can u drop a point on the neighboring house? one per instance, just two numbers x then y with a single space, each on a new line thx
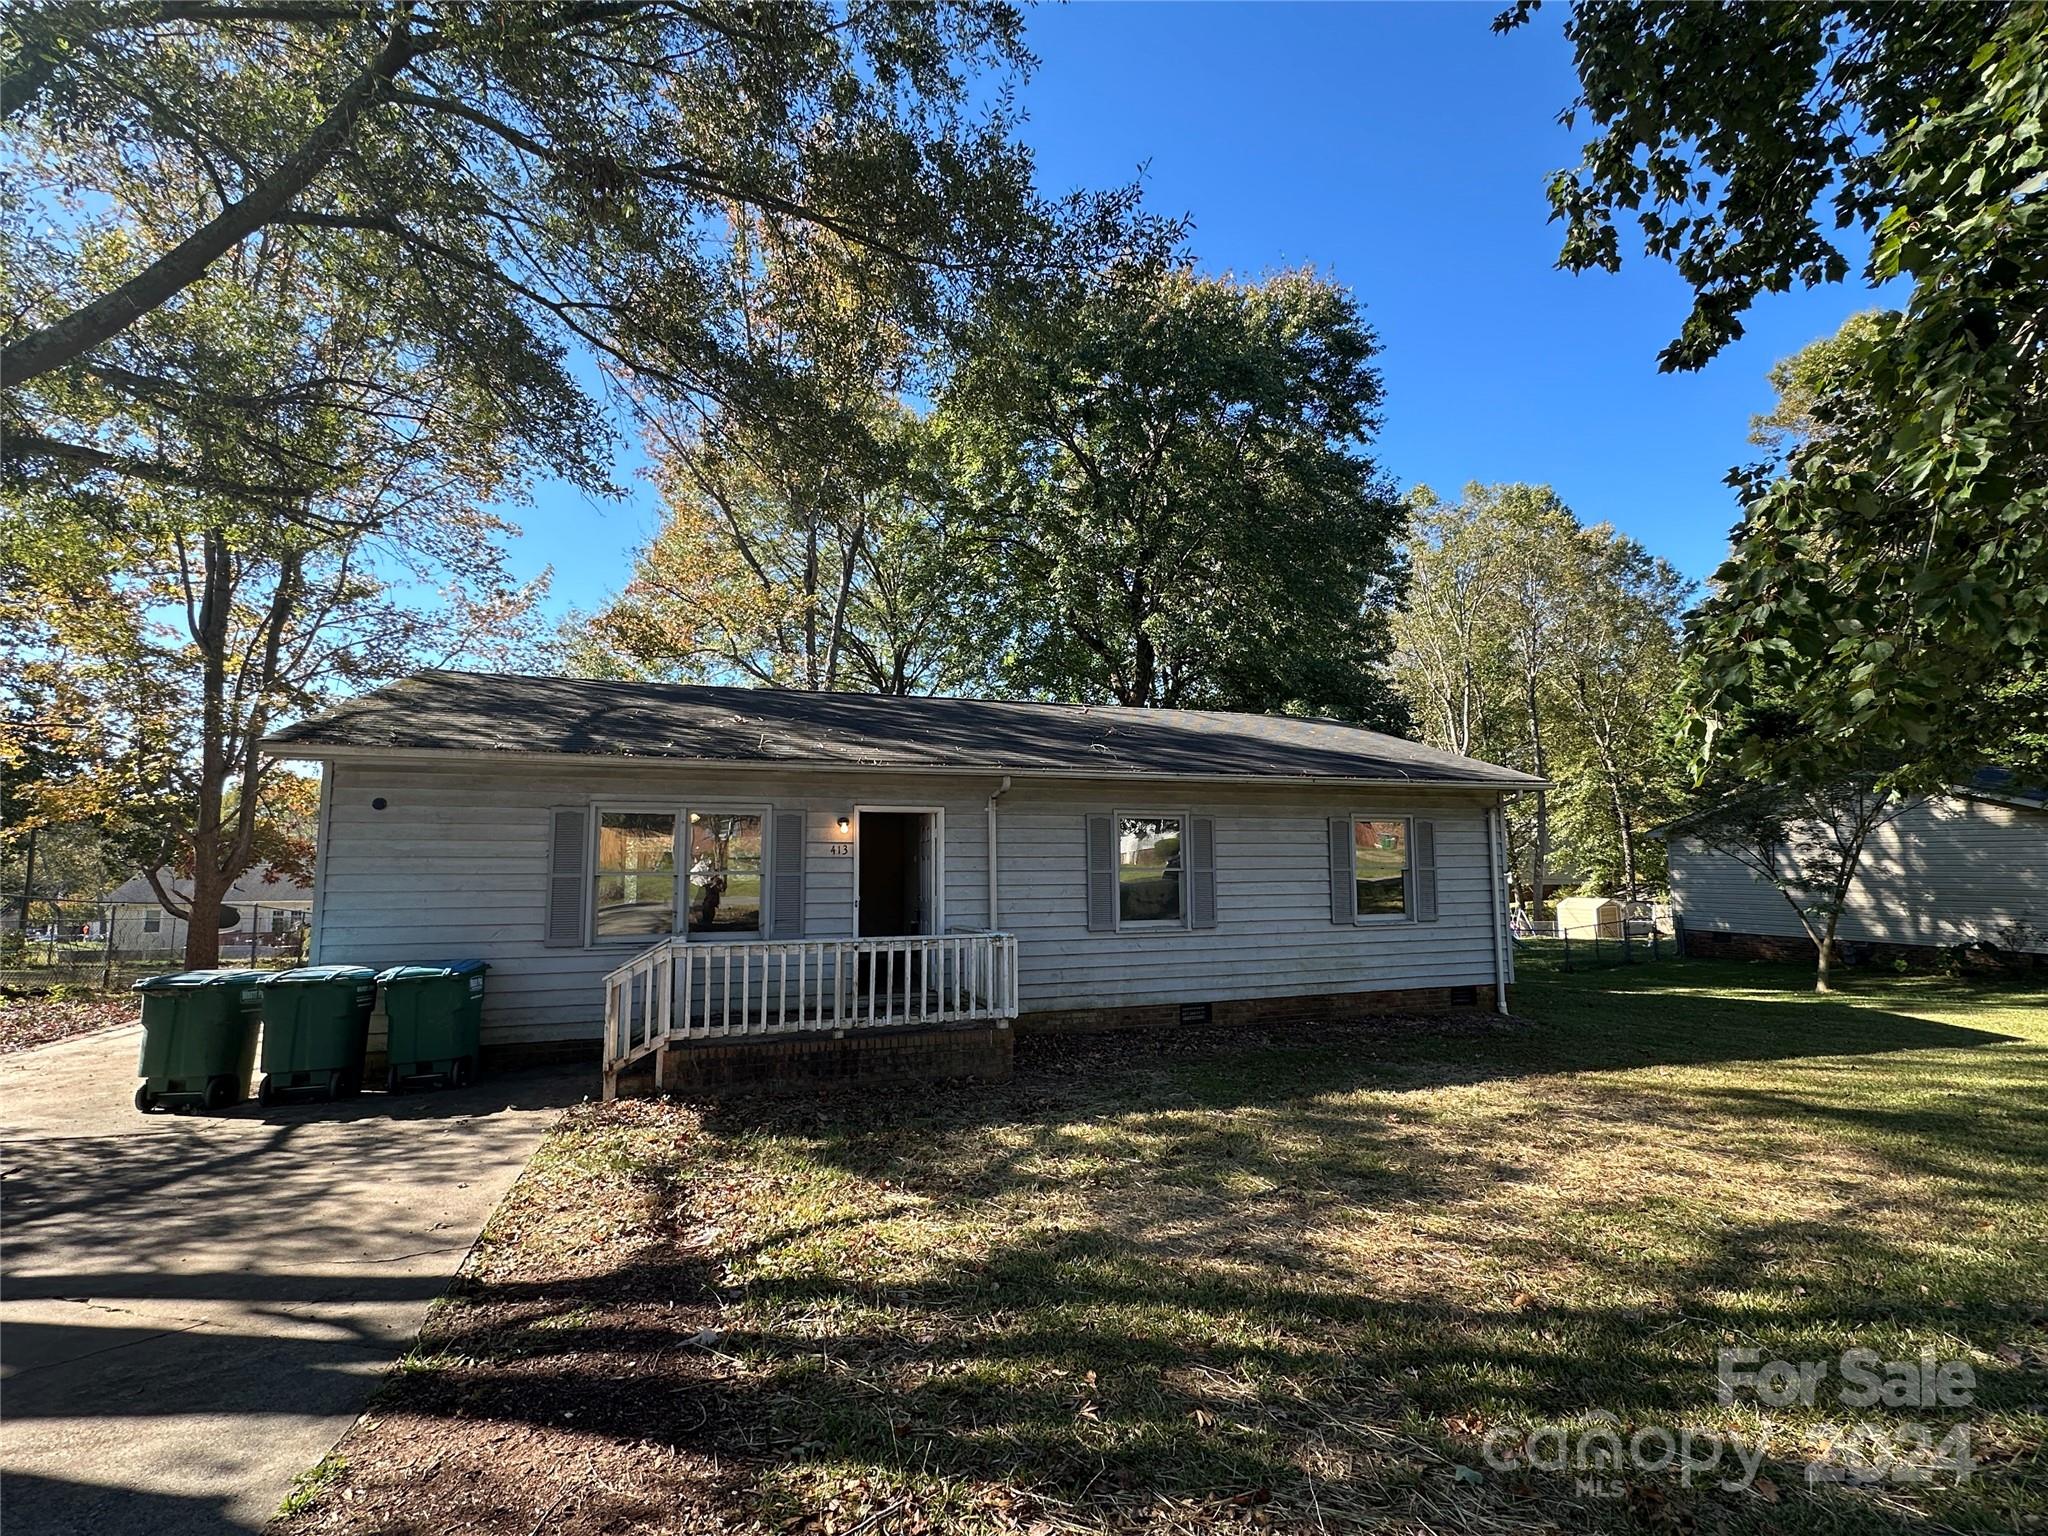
696 866
1966 867
265 914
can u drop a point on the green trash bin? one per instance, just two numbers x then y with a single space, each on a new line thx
436 1013
316 1022
198 1038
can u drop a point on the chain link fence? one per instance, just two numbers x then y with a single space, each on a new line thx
1638 932
104 944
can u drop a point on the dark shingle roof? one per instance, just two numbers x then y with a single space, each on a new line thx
2003 784
259 884
480 712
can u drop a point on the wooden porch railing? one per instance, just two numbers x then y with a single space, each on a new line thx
684 990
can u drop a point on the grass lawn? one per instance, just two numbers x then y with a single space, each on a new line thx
1298 1281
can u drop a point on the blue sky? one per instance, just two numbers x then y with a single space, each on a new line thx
1402 149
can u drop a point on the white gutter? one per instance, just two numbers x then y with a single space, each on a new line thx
1493 906
1002 789
289 752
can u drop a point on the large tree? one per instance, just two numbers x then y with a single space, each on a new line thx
1891 576
509 183
1526 637
161 631
1163 483
814 561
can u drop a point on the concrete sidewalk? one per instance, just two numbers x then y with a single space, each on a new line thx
194 1308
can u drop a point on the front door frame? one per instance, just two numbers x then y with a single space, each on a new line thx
937 920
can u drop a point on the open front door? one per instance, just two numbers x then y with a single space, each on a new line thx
901 877
928 873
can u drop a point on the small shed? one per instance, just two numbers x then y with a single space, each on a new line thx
1590 917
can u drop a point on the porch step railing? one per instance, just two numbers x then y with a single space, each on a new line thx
684 990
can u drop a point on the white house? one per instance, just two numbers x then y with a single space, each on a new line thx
693 873
1969 867
265 915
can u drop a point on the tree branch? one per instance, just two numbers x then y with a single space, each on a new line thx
63 341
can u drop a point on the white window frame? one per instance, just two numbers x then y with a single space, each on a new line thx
1149 924
678 847
1406 916
153 920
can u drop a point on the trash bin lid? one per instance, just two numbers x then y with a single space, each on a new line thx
179 979
434 972
320 975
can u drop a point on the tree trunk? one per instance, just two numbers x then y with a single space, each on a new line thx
202 928
1826 948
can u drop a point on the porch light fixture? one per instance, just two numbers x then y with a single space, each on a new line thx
845 822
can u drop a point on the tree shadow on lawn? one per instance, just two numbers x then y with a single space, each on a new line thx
1311 1270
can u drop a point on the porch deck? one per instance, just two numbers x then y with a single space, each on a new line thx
683 991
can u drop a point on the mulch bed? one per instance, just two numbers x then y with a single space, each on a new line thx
28 1020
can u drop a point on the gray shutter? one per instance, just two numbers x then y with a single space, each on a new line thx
1423 871
1101 874
1201 872
1343 882
568 843
786 900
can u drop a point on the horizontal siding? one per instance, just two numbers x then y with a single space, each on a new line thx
1273 935
1951 870
455 866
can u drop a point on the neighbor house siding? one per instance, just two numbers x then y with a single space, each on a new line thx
1951 870
455 866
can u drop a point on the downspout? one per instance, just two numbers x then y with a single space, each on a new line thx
1494 902
994 924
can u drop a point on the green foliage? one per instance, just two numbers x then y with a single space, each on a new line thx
1809 382
1889 589
509 181
1161 487
796 560
1530 639
154 638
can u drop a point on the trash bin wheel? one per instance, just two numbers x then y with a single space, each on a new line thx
458 1075
348 1084
144 1099
392 1081
220 1093
266 1091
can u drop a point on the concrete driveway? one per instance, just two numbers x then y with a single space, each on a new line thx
195 1308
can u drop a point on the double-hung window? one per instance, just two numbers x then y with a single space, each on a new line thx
1148 869
725 874
636 874
1380 864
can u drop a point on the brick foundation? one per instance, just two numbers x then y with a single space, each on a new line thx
1971 960
980 1051
1714 944
1323 1007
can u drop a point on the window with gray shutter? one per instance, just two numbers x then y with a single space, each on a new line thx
786 901
1343 888
1424 908
568 836
1201 866
1101 874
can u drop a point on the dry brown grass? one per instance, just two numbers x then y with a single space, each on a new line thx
1289 1283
